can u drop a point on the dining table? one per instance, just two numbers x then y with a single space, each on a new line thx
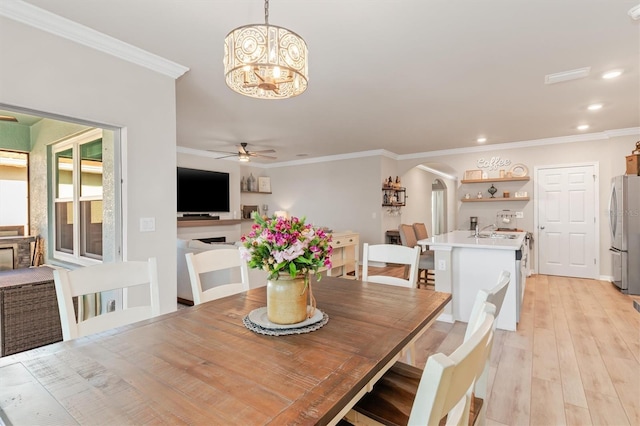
204 365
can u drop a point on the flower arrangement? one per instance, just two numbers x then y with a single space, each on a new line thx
280 245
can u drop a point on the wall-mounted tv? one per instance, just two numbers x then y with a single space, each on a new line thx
202 191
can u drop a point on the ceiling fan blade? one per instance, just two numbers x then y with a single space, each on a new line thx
222 152
226 156
265 151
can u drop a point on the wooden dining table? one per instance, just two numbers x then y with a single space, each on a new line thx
201 365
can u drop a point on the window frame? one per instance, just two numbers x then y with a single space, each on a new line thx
74 142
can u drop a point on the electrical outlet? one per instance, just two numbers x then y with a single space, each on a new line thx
519 215
111 305
442 265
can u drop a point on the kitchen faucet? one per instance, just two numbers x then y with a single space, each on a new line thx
493 231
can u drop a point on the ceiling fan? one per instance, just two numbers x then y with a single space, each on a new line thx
245 155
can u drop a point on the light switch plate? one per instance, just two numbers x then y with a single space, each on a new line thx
519 215
147 224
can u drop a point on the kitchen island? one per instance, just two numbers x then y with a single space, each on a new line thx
466 263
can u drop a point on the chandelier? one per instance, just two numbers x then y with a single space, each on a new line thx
265 61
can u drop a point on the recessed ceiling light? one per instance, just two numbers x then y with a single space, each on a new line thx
611 74
583 127
482 140
594 107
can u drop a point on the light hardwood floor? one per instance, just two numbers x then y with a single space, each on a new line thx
574 360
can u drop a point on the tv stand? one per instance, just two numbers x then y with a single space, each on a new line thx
185 222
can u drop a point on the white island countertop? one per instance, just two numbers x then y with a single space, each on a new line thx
466 239
465 265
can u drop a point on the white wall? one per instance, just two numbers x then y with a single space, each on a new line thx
50 74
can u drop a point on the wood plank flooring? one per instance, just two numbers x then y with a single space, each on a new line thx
574 360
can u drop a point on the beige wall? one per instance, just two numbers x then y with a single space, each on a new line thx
342 195
50 74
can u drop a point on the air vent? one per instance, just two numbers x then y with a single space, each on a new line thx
559 77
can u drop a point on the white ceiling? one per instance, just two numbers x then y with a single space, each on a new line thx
405 76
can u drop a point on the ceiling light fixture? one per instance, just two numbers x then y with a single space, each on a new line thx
634 12
567 75
594 107
583 127
612 74
482 140
265 61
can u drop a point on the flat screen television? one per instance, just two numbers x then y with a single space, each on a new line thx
202 191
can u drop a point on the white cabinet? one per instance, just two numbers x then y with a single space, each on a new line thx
344 259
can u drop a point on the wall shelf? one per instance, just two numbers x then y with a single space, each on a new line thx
481 200
187 222
511 179
400 195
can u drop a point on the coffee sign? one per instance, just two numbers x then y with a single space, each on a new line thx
493 163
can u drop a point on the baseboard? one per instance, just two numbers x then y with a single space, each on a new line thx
445 318
185 301
608 278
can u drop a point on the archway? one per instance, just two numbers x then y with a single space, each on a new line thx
438 207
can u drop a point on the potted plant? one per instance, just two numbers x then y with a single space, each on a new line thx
289 250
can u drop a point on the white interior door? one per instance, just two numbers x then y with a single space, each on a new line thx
566 201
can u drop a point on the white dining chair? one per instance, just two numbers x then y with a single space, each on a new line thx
391 253
228 260
408 395
102 278
495 296
487 301
395 254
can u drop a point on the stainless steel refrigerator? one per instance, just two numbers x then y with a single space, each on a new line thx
624 222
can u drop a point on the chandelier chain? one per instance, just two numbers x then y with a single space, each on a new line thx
266 12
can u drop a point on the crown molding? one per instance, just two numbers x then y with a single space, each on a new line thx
608 134
337 157
44 20
436 172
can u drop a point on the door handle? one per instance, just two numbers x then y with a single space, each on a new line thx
542 227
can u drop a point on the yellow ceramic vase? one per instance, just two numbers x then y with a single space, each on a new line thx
287 299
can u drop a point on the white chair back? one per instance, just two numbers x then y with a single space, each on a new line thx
216 260
391 253
494 296
446 380
102 278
